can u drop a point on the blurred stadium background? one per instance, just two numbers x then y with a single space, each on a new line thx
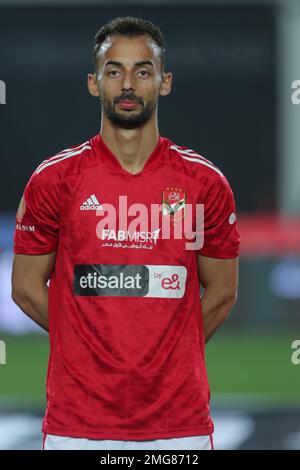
234 63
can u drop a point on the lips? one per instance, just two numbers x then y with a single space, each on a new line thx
128 104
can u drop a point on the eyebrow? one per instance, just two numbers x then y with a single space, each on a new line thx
119 64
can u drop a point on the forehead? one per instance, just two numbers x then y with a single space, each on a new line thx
128 50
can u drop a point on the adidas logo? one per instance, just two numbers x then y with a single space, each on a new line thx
91 204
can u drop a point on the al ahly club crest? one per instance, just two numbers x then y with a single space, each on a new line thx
173 203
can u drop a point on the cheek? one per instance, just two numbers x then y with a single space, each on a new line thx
154 89
149 90
109 85
152 94
109 92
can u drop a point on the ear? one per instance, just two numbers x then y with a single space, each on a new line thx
92 84
166 84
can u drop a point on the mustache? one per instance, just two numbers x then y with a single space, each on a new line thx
130 97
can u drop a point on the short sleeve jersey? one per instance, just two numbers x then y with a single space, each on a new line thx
127 356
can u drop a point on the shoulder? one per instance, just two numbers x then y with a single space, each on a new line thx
194 164
197 167
54 168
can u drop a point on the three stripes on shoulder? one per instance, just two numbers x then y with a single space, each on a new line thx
186 154
192 156
67 153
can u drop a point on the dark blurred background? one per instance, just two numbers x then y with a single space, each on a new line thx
233 64
223 101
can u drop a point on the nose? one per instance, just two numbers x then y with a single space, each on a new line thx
128 82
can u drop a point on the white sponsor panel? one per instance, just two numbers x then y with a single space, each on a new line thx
166 281
130 280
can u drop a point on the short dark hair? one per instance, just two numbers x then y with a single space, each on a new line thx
130 26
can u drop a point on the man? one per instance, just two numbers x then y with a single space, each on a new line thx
126 323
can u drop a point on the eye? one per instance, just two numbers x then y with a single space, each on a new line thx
144 73
113 73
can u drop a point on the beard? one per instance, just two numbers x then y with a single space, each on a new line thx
128 119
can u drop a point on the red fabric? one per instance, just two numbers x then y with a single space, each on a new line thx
124 366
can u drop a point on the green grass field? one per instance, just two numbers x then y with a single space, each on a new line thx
254 364
244 365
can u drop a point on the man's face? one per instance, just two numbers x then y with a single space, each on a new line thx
129 79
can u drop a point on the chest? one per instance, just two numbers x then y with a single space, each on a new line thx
145 216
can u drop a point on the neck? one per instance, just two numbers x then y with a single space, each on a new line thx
131 147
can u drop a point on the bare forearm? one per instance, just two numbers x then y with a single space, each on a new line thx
35 305
215 309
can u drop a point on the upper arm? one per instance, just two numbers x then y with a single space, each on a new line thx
221 274
38 216
221 236
30 271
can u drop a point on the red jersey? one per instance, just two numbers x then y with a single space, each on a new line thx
127 354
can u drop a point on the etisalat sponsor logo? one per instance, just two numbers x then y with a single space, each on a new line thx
2 92
163 281
176 220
